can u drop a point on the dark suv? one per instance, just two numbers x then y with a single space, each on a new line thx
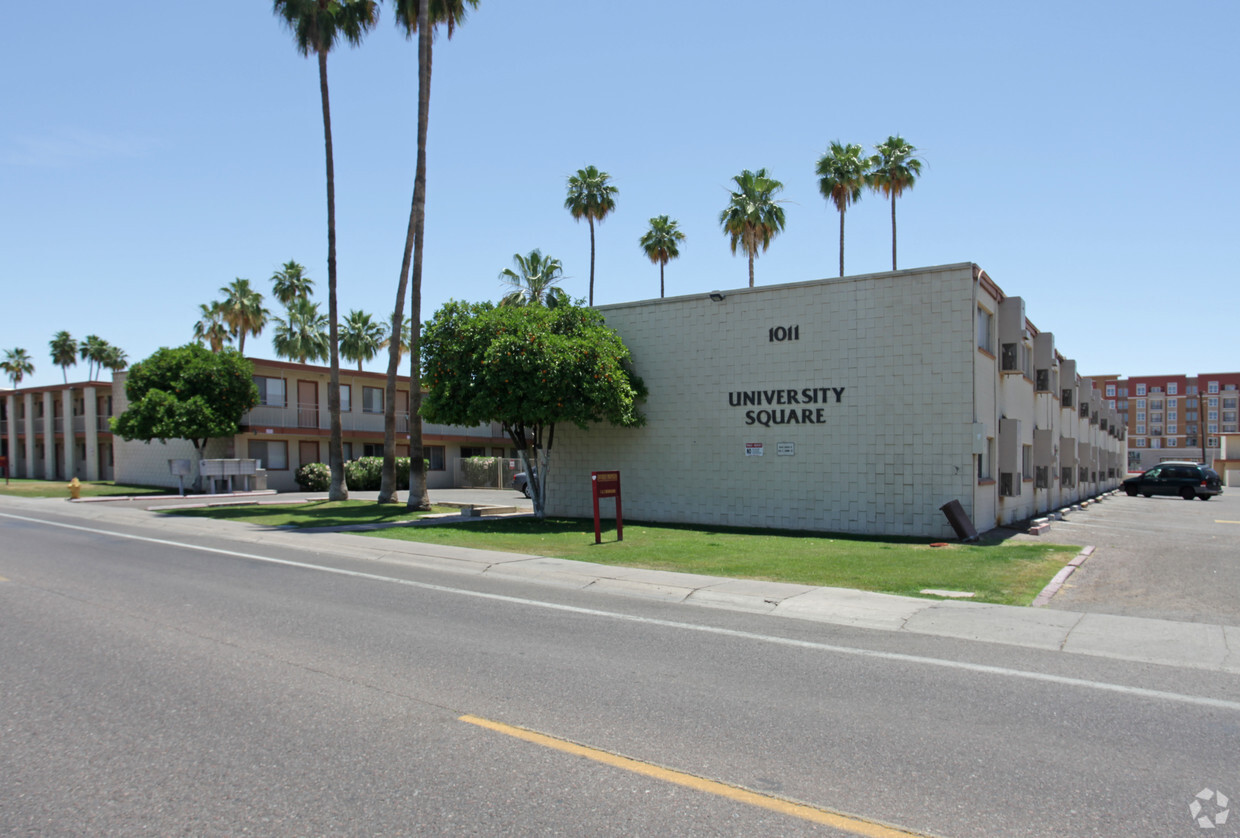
1188 480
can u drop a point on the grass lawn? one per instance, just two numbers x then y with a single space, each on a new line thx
314 514
90 489
1007 573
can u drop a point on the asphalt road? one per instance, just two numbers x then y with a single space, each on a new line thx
1158 557
162 689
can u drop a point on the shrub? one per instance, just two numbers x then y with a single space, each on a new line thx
313 477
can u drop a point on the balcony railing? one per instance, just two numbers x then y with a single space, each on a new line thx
306 416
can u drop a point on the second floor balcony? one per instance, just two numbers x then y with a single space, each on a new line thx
310 416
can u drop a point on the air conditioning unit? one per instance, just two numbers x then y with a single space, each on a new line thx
1066 477
1042 477
1009 484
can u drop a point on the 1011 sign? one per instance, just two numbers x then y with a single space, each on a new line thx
779 334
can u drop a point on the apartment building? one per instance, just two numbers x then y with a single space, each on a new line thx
861 404
58 432
289 427
1174 417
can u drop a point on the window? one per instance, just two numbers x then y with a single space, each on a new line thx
985 329
1156 404
468 451
1139 443
1156 443
1140 389
372 449
1172 388
1140 415
984 461
1212 442
1229 404
1211 415
346 399
270 391
1212 402
1140 404
346 449
372 400
1172 442
1212 387
272 453
1026 462
1111 404
1110 391
1123 392
434 453
1211 429
1140 429
1173 429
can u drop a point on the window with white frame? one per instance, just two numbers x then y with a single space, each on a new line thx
985 330
272 452
984 460
1172 442
1212 387
1140 404
271 391
1172 388
1110 390
1140 389
1229 403
1026 462
346 399
372 400
1173 429
1139 442
1140 429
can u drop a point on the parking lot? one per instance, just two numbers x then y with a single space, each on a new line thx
1156 557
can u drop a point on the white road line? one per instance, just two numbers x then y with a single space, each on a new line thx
984 669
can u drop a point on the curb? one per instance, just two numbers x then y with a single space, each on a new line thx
1044 598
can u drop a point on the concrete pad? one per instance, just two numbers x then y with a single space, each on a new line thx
749 595
646 590
555 571
844 606
1199 645
994 623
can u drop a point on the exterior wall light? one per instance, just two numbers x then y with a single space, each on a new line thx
717 296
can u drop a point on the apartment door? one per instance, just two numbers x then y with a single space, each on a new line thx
308 452
307 404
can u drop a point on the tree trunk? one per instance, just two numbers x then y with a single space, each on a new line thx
418 498
893 231
661 264
590 219
841 242
335 446
751 269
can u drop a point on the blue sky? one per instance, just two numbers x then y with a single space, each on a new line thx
1081 153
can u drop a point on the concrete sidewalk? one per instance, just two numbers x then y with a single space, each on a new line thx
1194 645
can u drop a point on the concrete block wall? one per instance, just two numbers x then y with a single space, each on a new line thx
890 444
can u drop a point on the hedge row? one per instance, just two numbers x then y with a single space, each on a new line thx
361 475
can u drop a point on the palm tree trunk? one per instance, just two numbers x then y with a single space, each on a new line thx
841 242
335 447
893 231
661 264
751 269
590 219
418 498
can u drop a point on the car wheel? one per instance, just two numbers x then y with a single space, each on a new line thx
1205 497
1187 493
525 490
1132 491
1147 494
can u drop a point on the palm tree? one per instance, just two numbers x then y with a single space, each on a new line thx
661 243
405 337
92 351
317 25
590 196
211 327
243 310
753 216
64 352
892 170
533 281
114 358
416 17
17 365
291 283
303 336
361 337
842 173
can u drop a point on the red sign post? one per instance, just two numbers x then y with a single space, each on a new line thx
606 484
4 466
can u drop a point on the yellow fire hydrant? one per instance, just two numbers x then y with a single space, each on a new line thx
75 489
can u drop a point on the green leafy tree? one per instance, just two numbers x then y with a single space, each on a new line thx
64 352
528 368
534 280
661 243
187 392
361 338
211 326
842 173
590 196
291 283
17 364
317 25
243 311
753 216
415 17
303 335
893 169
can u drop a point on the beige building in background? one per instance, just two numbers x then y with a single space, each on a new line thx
861 405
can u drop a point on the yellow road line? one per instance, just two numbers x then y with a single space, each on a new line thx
836 820
1227 522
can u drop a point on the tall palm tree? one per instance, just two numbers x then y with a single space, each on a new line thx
405 336
64 352
361 337
114 358
842 173
591 197
753 216
533 282
303 336
92 351
894 169
243 310
661 243
17 364
211 326
415 17
291 283
317 25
